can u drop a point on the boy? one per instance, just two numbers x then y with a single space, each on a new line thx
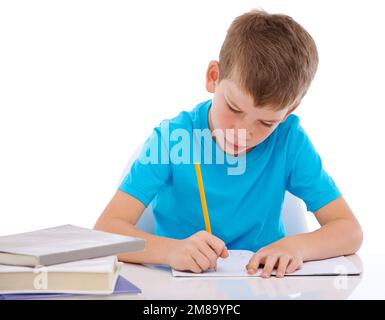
265 67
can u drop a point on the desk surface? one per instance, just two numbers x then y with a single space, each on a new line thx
156 282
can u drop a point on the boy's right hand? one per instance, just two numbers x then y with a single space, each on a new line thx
196 253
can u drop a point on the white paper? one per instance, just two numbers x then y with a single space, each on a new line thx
97 265
235 266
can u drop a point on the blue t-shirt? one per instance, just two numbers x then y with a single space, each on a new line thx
244 205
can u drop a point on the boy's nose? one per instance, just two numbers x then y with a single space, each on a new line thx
243 135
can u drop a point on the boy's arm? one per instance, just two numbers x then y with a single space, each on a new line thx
196 253
120 216
340 234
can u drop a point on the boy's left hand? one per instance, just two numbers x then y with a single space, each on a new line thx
282 255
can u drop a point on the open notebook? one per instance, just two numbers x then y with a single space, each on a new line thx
235 266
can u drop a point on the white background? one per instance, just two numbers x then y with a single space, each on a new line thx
82 83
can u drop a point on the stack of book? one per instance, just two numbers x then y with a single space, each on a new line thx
64 260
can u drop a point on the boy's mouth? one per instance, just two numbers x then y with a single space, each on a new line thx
234 147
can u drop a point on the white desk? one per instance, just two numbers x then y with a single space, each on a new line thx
157 283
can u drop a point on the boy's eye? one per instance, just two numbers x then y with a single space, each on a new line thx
269 125
266 124
233 110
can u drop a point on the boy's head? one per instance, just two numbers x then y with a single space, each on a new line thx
266 65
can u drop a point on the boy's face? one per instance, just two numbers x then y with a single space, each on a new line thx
233 109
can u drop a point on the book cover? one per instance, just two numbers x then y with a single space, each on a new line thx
63 244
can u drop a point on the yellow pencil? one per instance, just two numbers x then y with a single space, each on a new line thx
203 197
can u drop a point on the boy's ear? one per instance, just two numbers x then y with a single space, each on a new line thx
292 108
212 76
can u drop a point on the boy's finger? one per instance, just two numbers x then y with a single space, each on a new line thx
211 255
253 265
282 265
201 260
217 244
225 253
193 266
269 266
293 265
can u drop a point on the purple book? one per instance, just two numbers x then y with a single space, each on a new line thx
122 286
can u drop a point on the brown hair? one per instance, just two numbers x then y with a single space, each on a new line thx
270 56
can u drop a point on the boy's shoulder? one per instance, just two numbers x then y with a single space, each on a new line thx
292 121
291 126
290 135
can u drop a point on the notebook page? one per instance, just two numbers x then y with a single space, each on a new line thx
232 266
235 266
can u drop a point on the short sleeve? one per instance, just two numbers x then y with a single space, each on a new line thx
151 170
306 177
